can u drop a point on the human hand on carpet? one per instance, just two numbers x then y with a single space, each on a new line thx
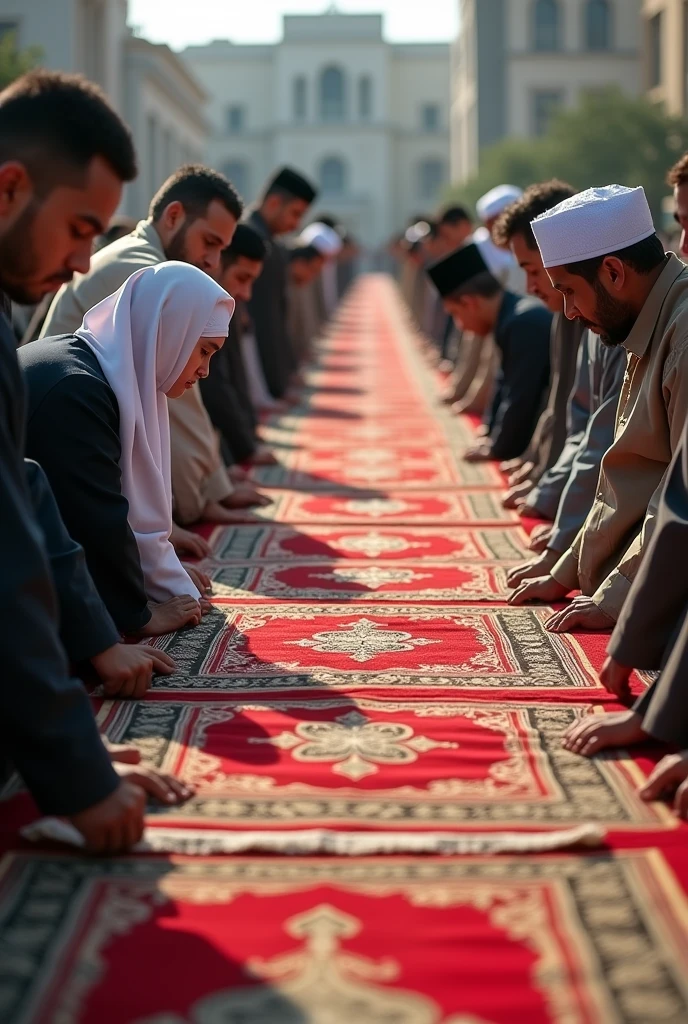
671 774
593 733
245 496
171 615
186 543
540 538
116 823
615 678
542 588
164 788
515 495
523 472
480 452
201 579
582 615
264 456
126 671
527 511
533 569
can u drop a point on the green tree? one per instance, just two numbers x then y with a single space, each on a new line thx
609 137
15 62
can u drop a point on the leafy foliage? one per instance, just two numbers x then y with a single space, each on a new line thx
15 62
609 137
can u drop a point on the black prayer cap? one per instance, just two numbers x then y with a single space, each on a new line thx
454 270
294 183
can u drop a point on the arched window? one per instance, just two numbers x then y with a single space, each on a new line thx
333 176
546 25
332 95
237 172
365 98
300 98
598 25
430 178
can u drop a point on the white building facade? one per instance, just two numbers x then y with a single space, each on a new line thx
148 84
366 120
516 62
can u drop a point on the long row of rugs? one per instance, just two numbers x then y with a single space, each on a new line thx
362 687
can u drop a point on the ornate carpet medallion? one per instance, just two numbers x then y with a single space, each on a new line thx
323 543
296 646
417 764
331 941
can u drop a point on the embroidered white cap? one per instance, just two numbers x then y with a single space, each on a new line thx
593 223
496 201
323 238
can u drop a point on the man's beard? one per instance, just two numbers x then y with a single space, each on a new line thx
176 248
19 261
614 319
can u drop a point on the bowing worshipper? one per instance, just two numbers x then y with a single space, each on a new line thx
64 154
98 424
601 250
87 631
521 328
678 179
284 203
329 242
225 390
309 305
304 263
541 490
652 633
593 408
347 261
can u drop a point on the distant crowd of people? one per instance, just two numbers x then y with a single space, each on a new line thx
564 324
103 321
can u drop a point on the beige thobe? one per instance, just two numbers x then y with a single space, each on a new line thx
198 473
653 406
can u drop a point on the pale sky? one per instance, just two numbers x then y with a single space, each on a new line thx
180 23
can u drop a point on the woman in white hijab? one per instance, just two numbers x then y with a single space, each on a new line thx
98 424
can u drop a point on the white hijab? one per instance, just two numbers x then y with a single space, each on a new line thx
143 336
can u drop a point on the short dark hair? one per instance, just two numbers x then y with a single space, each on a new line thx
678 175
56 123
195 187
536 200
484 285
453 215
643 258
246 243
304 252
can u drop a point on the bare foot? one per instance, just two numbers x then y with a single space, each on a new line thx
594 733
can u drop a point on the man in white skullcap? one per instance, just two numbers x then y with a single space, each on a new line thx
489 208
601 251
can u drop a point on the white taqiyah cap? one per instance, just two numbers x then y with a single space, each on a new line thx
323 238
593 223
496 201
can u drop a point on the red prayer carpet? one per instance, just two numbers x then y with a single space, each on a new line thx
361 676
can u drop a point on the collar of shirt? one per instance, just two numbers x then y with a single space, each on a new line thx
144 229
639 339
